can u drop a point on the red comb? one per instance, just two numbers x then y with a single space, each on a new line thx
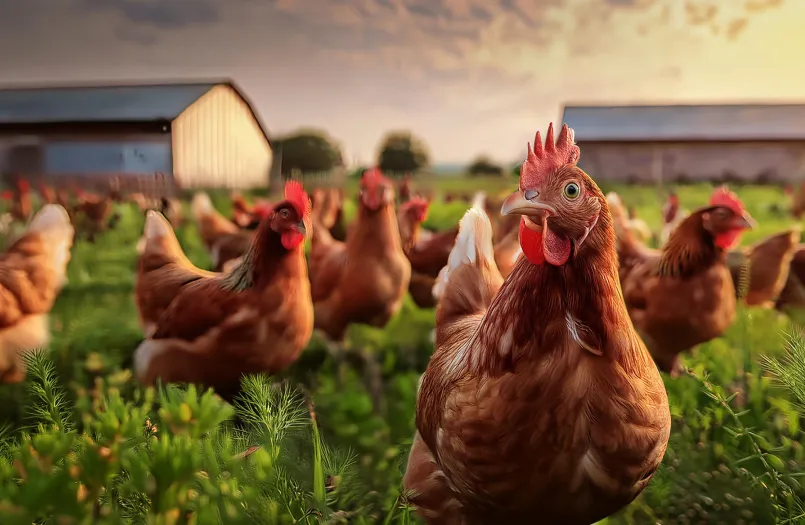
544 160
7 195
373 177
416 201
724 198
296 195
23 185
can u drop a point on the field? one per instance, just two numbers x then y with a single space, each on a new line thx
735 453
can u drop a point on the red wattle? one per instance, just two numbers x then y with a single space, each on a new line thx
728 239
531 244
292 239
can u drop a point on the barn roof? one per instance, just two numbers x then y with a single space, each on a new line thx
106 103
687 122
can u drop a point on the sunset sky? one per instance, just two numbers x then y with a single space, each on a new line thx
468 76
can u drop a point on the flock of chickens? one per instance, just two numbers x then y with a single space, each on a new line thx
543 396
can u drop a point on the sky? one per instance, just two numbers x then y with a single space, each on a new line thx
468 77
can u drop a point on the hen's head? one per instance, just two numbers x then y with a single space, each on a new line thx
239 203
673 199
23 186
416 209
262 209
376 191
725 218
560 204
291 217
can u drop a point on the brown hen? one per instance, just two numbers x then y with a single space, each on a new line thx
684 295
32 272
760 272
411 215
219 327
363 280
540 403
222 238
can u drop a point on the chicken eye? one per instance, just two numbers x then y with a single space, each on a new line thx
285 214
572 190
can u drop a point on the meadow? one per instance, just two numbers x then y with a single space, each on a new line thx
309 447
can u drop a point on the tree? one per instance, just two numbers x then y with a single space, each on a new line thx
310 151
400 152
483 165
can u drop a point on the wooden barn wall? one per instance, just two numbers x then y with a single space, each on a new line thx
57 153
217 142
693 161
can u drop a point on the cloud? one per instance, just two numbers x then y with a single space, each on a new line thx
467 75
160 14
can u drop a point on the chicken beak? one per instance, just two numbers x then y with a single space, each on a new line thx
518 204
300 227
746 222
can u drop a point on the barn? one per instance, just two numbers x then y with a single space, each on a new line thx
680 143
204 134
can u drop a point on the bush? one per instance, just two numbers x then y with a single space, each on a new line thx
191 458
484 166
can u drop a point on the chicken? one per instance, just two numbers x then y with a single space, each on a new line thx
760 273
218 327
64 200
540 404
47 193
364 279
505 234
329 210
172 210
684 295
429 255
162 271
672 216
405 189
248 216
410 217
96 211
32 273
21 207
222 238
638 227
793 293
241 211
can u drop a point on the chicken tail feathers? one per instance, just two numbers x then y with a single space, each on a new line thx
479 200
159 239
201 205
51 217
471 278
53 223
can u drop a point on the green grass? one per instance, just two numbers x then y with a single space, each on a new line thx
718 468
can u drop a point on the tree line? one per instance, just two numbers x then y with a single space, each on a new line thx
314 151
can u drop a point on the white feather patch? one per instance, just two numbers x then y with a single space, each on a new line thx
53 223
156 225
474 240
578 332
143 356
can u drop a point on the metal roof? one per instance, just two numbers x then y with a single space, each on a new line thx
687 122
98 103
